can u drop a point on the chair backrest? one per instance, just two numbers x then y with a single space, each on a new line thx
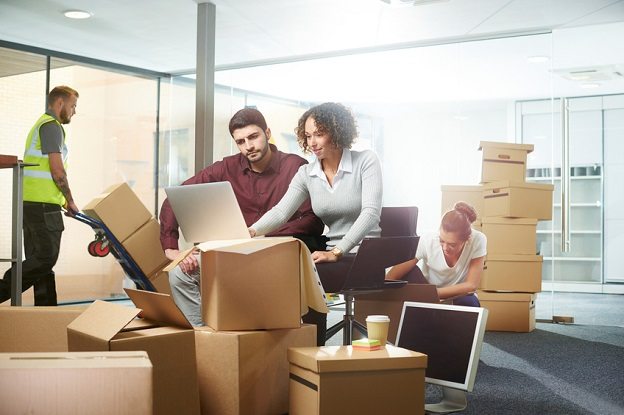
398 220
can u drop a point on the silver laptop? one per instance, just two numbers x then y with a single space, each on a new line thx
207 212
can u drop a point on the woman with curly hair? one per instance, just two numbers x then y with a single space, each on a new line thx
344 187
452 258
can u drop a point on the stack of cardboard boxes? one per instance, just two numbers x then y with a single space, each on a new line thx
251 305
508 210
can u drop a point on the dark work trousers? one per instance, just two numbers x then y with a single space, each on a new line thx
333 276
43 227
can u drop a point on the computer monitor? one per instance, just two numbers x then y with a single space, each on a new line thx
451 337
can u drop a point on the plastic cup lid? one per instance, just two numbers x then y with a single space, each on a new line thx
377 318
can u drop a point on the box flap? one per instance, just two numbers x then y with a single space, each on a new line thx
505 184
102 320
514 258
158 307
346 359
508 221
511 146
461 188
243 246
505 296
179 259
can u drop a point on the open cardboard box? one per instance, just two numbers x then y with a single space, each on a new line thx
76 383
504 161
254 284
340 380
163 332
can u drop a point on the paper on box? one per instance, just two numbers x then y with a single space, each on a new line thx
76 383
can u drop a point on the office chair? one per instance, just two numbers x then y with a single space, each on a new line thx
394 221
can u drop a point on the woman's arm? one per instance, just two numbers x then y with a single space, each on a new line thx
399 271
470 284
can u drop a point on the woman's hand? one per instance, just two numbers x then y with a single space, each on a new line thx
324 256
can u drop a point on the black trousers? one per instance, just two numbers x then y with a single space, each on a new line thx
43 227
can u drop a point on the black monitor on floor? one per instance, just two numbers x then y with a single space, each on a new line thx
451 337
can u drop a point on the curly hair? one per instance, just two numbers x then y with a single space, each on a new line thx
331 118
458 220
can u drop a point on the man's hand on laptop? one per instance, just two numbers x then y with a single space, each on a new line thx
188 264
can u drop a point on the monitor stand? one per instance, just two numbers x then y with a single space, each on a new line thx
453 400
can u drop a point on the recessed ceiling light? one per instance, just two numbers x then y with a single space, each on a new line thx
538 59
77 14
589 85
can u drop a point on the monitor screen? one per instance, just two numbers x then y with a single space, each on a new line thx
451 337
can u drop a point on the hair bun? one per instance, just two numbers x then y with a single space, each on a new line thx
467 210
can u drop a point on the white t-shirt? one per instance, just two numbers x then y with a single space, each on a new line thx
434 267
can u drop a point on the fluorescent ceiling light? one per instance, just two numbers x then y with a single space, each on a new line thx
77 14
538 59
590 85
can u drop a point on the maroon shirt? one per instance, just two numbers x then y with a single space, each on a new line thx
256 194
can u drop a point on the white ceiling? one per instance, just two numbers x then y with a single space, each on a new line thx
160 34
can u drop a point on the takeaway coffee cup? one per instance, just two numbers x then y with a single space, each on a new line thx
377 327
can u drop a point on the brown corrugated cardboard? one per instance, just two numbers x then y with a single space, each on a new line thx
119 209
509 311
35 329
246 372
473 195
104 326
518 200
160 280
145 249
521 273
76 383
253 285
510 235
340 380
503 161
390 303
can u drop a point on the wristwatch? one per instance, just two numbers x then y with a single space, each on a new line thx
337 252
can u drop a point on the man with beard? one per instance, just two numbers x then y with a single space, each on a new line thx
46 191
260 175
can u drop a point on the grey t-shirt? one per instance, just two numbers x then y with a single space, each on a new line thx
51 137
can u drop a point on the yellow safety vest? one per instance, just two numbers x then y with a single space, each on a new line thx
38 183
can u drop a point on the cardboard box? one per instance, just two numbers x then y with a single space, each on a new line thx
503 161
119 209
35 329
145 249
160 280
473 195
340 380
164 334
76 383
521 273
246 372
390 303
509 311
251 284
518 200
510 235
